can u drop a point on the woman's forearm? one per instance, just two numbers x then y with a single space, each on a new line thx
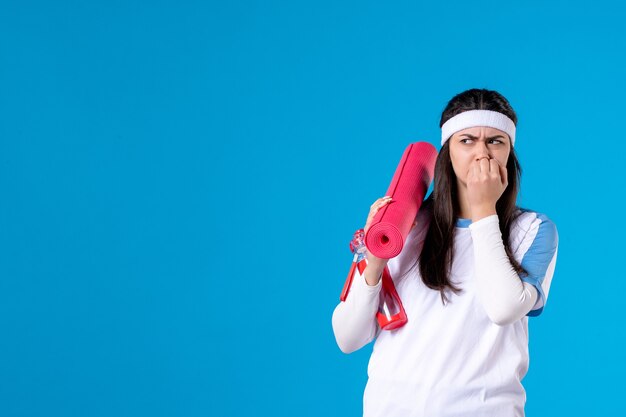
504 296
373 273
354 320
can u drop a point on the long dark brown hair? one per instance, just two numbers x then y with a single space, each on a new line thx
435 260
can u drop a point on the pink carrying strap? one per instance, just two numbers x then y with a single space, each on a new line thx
386 320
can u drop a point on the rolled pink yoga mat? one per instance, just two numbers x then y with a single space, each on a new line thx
392 224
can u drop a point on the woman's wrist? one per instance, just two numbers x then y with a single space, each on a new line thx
482 212
373 274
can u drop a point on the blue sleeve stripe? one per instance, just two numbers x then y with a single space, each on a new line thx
542 296
539 256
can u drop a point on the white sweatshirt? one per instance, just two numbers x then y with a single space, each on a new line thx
469 355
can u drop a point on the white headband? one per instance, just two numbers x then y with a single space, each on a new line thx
473 118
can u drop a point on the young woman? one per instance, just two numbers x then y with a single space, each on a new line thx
473 268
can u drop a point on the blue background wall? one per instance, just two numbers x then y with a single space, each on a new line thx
179 182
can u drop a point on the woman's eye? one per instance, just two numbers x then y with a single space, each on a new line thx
491 140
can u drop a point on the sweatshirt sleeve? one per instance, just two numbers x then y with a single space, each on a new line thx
539 248
504 295
354 320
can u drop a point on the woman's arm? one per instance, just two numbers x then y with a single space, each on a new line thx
354 320
504 296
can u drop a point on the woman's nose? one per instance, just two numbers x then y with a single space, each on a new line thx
482 151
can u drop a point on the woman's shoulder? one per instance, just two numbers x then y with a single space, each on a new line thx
530 224
526 218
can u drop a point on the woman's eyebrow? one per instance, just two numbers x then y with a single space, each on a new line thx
475 137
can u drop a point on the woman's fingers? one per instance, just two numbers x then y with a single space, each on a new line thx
488 166
486 181
496 167
378 204
484 165
381 201
485 171
374 208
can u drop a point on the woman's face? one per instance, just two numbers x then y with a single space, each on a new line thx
474 143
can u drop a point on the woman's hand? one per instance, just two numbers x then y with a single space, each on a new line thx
374 208
486 181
